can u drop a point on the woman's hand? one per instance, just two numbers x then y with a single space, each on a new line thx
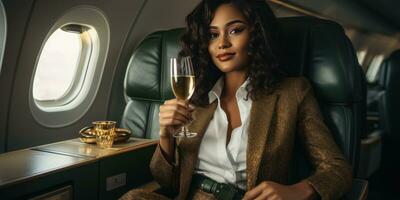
173 115
269 190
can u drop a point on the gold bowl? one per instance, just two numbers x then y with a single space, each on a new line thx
87 135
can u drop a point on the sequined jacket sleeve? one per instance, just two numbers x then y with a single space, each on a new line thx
332 175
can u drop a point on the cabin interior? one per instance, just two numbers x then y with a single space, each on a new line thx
65 64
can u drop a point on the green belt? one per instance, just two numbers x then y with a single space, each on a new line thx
221 191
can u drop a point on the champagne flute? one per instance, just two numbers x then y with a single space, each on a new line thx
182 83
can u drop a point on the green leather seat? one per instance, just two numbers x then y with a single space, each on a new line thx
319 50
389 109
389 96
147 82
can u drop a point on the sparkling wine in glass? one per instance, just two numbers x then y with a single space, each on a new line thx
183 84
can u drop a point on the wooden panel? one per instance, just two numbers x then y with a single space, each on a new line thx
83 179
134 164
74 147
27 164
32 172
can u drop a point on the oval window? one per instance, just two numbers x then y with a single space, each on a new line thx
63 65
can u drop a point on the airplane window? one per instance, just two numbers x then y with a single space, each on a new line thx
57 66
69 67
63 65
372 72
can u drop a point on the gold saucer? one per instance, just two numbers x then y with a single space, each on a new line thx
87 135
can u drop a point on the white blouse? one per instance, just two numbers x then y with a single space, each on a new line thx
225 164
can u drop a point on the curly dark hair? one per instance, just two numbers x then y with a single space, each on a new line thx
264 71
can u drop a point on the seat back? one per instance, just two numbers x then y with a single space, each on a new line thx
317 49
389 96
389 107
147 82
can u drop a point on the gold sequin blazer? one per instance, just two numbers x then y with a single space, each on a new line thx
275 121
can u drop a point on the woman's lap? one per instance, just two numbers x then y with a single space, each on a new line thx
200 195
140 194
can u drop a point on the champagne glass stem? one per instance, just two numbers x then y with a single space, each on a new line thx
184 130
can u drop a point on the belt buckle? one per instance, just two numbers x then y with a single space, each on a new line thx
225 192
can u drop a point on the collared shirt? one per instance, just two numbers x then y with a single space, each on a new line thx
218 161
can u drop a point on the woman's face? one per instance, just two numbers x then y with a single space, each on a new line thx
229 37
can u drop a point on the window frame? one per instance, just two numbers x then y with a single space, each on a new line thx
72 108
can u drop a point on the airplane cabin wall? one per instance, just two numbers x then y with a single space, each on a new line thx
18 13
22 129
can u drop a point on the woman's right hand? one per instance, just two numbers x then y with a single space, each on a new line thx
174 113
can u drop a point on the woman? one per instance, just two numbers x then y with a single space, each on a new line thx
247 116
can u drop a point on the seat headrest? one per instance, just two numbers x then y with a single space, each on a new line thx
316 48
147 75
319 50
390 69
